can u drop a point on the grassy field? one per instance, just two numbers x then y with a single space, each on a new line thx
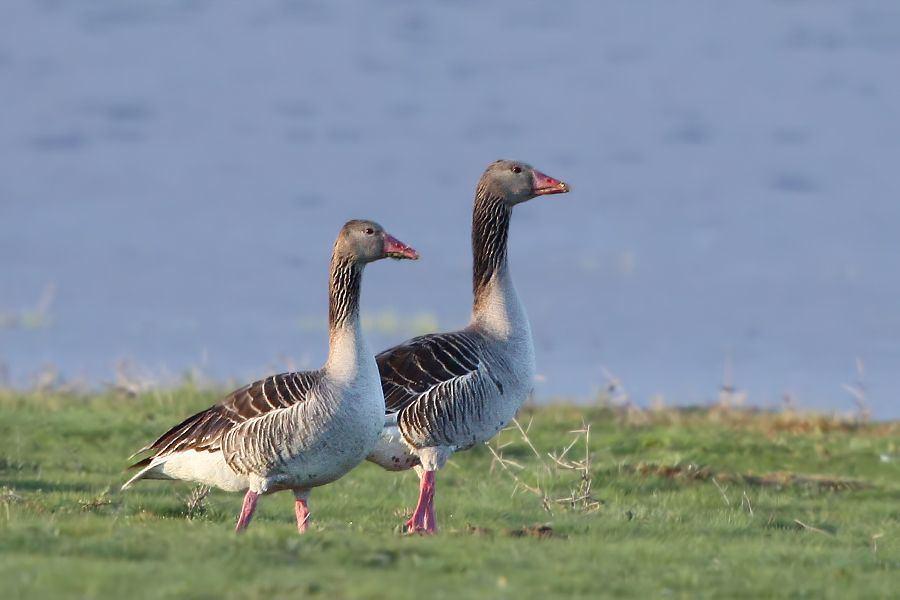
702 503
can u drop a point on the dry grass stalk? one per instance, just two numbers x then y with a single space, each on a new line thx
721 491
9 496
507 466
729 395
579 498
746 498
195 502
810 527
857 391
100 500
616 398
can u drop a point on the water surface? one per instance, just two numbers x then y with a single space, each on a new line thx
174 173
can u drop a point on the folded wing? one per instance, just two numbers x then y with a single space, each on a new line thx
206 429
410 370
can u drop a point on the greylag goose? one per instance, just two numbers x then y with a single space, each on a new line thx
291 431
446 392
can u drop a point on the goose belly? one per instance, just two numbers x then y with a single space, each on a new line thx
209 468
391 451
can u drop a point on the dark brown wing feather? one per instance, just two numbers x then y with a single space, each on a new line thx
414 367
204 430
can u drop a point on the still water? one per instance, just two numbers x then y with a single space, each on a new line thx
172 174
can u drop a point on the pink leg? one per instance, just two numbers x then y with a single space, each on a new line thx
423 518
247 510
430 517
301 509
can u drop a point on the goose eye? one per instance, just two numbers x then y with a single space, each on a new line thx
369 231
517 169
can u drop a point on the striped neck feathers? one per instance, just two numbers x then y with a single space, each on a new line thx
490 230
343 293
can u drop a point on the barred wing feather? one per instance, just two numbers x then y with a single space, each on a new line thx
412 369
206 429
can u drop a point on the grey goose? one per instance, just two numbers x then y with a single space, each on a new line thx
292 431
447 392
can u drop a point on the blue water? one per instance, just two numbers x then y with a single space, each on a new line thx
172 175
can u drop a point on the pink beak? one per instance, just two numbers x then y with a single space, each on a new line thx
544 184
394 248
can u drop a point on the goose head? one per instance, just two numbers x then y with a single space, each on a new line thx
516 182
367 241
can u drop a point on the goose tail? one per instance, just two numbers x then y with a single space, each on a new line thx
148 470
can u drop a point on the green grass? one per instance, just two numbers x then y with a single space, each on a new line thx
702 503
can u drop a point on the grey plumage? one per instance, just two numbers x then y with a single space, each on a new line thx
292 430
449 391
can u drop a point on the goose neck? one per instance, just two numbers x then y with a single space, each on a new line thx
490 232
346 345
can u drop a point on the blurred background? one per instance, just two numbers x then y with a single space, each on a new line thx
173 173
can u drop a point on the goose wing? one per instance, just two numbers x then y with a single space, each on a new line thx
207 429
411 370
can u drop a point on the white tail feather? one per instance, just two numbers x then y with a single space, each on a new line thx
151 471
